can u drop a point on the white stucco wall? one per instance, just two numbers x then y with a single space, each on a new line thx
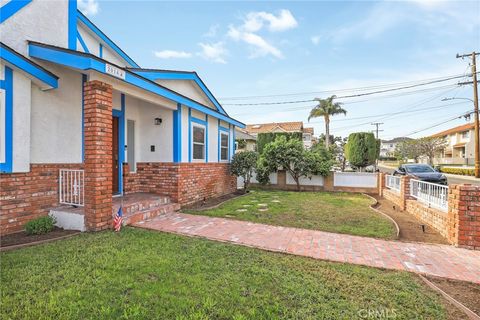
21 122
189 89
56 120
212 139
185 138
41 20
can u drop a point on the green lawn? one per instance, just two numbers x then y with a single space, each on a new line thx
139 274
328 211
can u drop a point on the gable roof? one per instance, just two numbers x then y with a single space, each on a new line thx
463 127
308 130
162 74
396 140
269 127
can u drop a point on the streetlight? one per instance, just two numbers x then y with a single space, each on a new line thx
477 142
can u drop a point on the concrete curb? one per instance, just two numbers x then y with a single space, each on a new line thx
384 214
23 245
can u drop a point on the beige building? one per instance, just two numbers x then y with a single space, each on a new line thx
287 127
460 148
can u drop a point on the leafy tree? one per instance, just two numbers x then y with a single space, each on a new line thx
291 156
265 138
362 149
429 146
326 108
243 165
408 149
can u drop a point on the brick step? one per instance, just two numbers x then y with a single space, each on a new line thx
142 215
138 203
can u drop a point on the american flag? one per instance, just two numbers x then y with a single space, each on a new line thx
117 222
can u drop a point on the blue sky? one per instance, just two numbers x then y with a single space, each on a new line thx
275 48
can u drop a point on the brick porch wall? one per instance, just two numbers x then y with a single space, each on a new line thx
432 217
27 196
184 183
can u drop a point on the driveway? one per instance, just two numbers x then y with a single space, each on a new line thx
430 259
452 178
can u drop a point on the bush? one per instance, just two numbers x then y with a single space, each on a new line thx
461 171
362 149
40 225
243 165
265 138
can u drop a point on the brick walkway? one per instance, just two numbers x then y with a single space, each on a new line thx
431 259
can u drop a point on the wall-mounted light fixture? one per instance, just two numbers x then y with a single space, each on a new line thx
158 121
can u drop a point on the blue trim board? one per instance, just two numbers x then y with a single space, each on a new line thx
190 135
206 138
180 75
218 140
84 61
84 79
81 17
7 85
199 121
72 24
120 114
177 134
82 43
28 66
12 7
233 141
100 50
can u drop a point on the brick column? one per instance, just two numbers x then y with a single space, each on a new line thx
464 216
404 191
98 155
380 183
328 182
281 179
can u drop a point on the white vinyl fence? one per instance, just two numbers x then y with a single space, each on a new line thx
71 187
393 183
272 176
355 179
433 195
304 181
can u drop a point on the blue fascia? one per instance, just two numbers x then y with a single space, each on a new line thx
84 61
82 43
7 85
72 24
179 75
177 134
12 7
105 39
17 60
120 114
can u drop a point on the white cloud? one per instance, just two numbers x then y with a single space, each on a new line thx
315 40
212 31
260 47
215 52
168 54
88 7
283 21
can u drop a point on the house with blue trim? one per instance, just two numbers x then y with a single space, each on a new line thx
84 128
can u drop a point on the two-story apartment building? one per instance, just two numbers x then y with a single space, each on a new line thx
460 149
287 127
387 147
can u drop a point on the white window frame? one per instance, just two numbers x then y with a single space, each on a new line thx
193 125
228 145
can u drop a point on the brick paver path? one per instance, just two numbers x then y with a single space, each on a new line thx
431 259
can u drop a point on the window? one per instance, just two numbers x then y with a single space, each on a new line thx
465 134
198 142
223 146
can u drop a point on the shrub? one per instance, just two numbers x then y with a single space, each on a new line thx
462 171
243 165
362 149
40 225
265 138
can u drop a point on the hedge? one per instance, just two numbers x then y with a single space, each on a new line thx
461 171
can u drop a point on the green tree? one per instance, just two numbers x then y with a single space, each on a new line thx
408 149
429 146
326 108
291 156
243 165
265 138
362 149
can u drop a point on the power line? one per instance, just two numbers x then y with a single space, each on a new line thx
439 124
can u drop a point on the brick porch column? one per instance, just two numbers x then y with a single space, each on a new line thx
464 216
404 191
380 183
98 155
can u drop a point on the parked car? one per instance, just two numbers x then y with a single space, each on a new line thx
422 172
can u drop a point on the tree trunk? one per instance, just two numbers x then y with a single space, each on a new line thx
297 181
327 132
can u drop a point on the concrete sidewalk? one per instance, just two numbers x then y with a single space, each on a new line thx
430 259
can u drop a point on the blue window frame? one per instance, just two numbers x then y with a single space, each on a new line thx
7 86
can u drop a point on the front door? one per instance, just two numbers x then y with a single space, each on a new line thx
115 163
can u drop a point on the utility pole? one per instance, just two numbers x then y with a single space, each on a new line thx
377 124
475 103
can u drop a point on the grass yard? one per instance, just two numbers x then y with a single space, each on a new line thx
139 274
328 211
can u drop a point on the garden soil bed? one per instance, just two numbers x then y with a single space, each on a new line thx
20 238
213 202
466 293
410 227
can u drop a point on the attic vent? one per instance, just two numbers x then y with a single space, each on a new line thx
257 126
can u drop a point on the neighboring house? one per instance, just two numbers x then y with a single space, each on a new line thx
77 110
287 127
387 147
460 148
244 141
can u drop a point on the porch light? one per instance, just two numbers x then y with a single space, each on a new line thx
158 121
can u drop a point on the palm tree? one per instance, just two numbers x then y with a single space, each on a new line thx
326 108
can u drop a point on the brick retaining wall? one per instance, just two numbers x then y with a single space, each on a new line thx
432 217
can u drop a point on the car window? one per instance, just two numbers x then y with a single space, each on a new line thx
419 169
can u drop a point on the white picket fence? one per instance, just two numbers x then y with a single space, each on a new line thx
431 194
393 183
71 189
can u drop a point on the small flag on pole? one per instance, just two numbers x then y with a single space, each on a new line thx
117 222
